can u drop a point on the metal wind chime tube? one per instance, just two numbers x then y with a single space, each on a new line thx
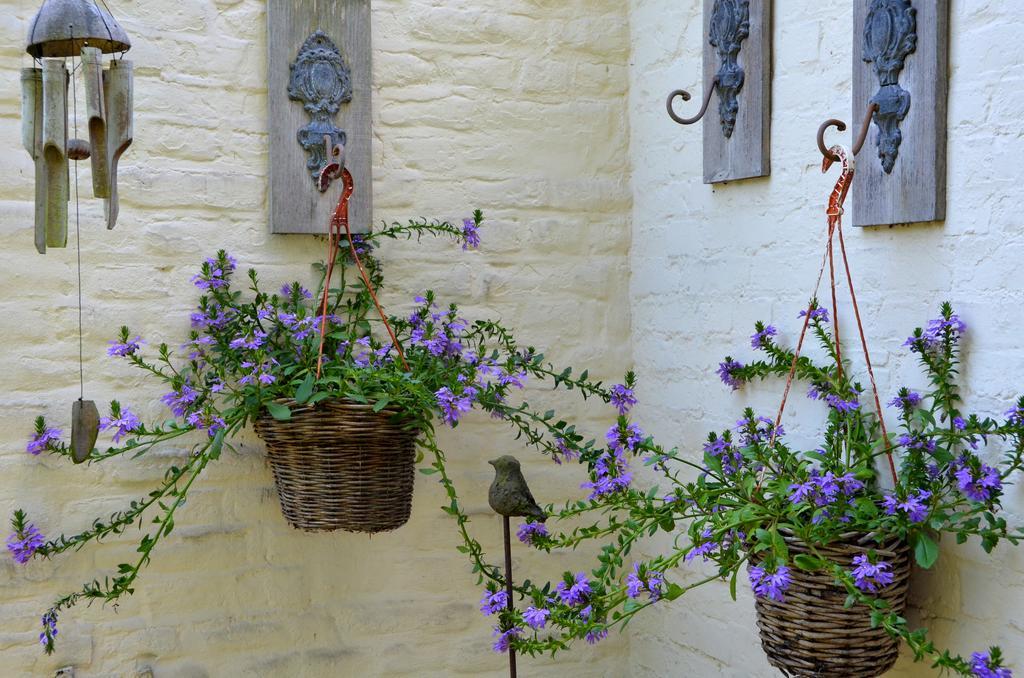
76 29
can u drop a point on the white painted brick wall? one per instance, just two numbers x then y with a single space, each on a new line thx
707 262
516 107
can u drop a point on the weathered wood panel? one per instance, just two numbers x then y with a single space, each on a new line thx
296 205
915 190
747 152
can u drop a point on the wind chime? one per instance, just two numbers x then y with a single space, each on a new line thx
84 32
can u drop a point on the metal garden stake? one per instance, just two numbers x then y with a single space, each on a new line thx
510 496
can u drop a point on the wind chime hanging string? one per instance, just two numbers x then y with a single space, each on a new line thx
835 227
85 421
339 222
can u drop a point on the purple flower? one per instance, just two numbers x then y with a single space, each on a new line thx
536 617
24 544
938 327
770 584
730 458
870 577
493 602
252 342
959 424
980 486
181 400
49 628
211 423
650 583
982 666
261 373
840 405
816 314
611 474
595 636
915 507
124 420
561 448
727 373
40 441
760 338
454 406
908 401
917 442
1016 416
825 490
471 234
295 289
622 398
759 430
215 272
121 349
935 333
574 591
504 640
530 532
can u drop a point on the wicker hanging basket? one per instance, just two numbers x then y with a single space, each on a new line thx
811 634
339 465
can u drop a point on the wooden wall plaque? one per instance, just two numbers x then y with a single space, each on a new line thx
737 126
319 83
900 61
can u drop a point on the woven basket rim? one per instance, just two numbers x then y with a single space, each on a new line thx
392 412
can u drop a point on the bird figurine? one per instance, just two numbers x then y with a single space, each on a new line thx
509 494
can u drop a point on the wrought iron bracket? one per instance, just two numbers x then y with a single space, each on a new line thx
321 80
729 26
890 36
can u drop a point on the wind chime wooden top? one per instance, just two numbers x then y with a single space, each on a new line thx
63 29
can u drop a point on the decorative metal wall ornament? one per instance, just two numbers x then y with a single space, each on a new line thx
890 35
737 57
322 82
319 84
894 42
730 26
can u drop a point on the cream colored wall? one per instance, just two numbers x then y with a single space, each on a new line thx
516 107
709 261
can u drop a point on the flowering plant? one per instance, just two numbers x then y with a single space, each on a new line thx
251 354
737 501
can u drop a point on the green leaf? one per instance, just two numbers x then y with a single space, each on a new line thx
380 404
279 411
806 562
674 591
218 444
305 390
926 550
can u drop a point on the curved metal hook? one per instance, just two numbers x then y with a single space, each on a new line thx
841 126
831 122
685 96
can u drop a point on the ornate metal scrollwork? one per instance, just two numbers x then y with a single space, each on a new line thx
730 26
322 82
890 35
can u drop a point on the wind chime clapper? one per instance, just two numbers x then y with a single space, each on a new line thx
62 29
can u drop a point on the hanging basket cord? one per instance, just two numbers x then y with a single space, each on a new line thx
339 222
835 226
